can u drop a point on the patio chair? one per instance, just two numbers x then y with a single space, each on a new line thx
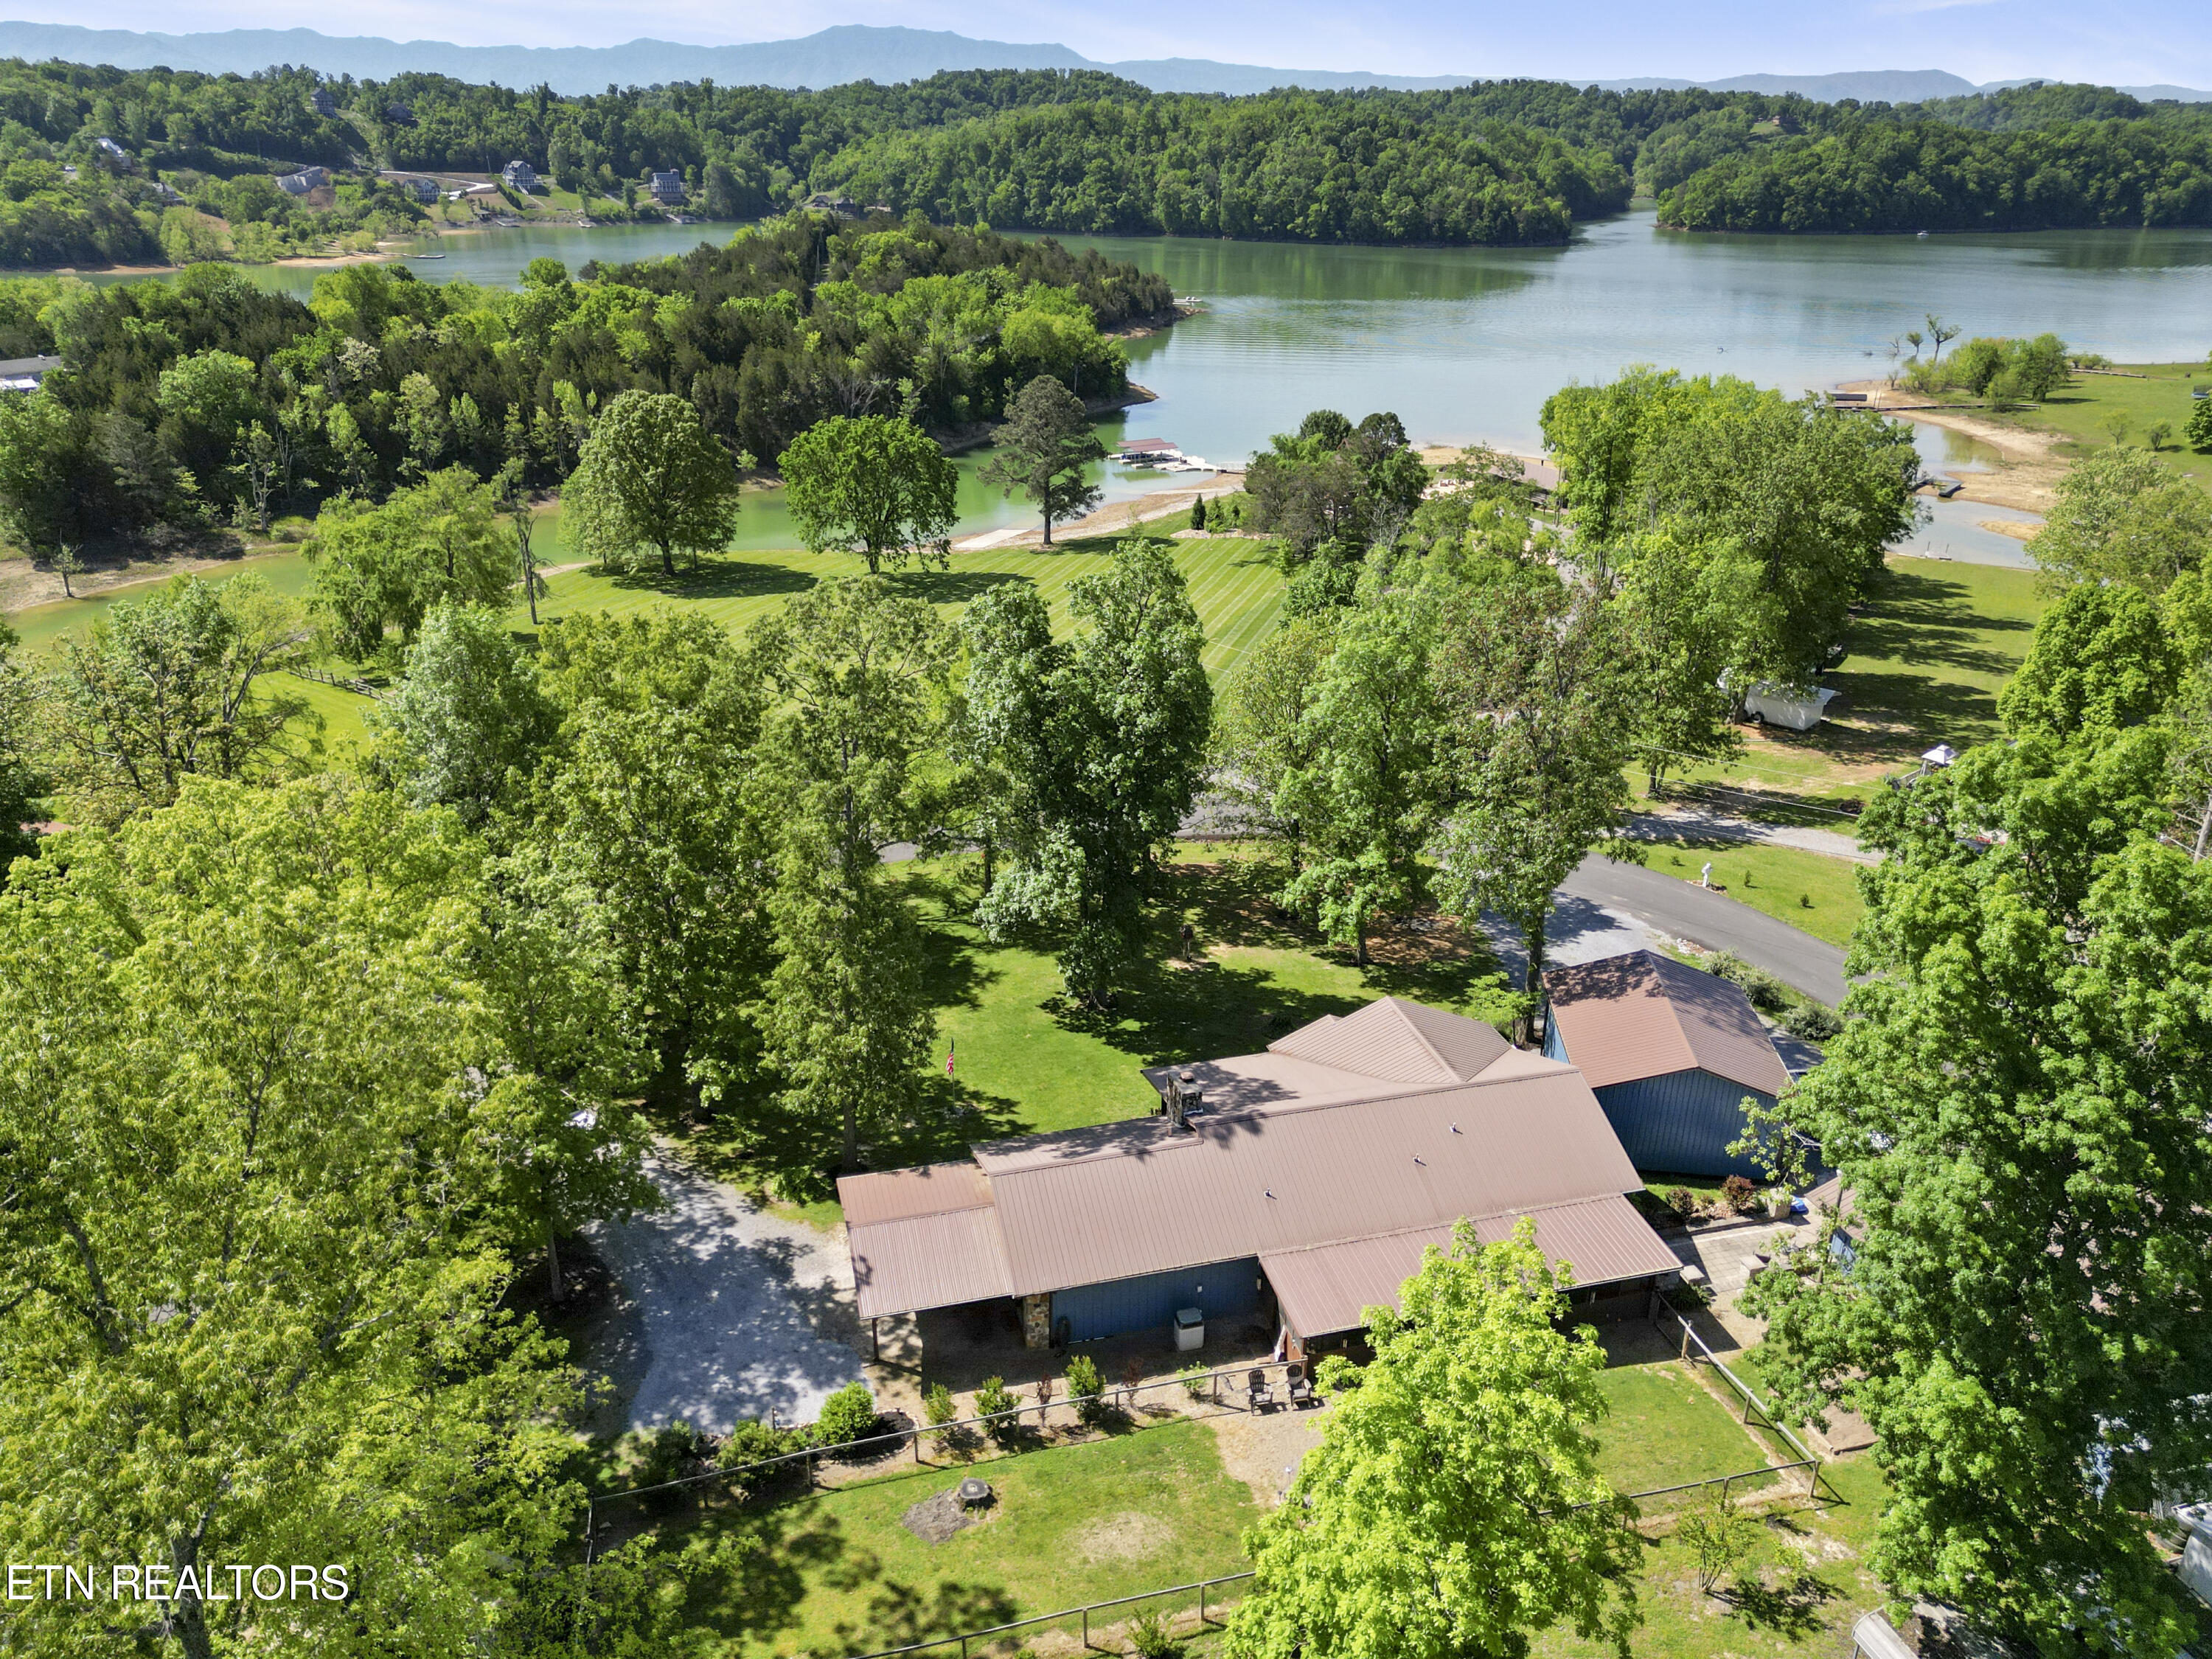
1298 1386
1258 1395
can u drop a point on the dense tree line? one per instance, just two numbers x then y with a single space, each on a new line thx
209 400
1289 166
181 166
1878 175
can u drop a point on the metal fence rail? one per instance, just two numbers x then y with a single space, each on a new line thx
324 677
1121 1398
1805 1459
1084 1613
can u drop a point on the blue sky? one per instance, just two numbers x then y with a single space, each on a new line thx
2125 42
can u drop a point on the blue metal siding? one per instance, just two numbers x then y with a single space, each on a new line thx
1223 1289
1554 1047
1683 1121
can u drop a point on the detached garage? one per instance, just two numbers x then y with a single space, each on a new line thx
1670 1052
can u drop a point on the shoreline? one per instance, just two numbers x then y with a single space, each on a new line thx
2027 472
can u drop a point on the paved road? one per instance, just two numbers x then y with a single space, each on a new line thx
1706 824
742 1312
1711 920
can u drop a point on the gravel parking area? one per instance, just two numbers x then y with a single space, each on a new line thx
742 1314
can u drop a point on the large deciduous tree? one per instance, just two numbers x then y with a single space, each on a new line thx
1043 450
859 687
1535 680
172 686
2122 516
1690 611
646 804
380 570
1330 488
2101 659
1099 744
1262 736
1369 788
470 721
253 1089
1454 1505
2019 1105
874 485
1810 495
650 482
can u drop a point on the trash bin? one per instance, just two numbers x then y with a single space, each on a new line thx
1190 1329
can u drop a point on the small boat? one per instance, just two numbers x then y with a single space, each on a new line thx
426 256
1924 236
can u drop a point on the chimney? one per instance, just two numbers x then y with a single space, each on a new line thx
1182 1092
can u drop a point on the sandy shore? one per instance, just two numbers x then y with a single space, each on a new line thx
1108 519
2027 472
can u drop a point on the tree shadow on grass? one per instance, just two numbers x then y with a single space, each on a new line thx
1791 1610
900 1614
948 586
717 578
747 1566
1169 1010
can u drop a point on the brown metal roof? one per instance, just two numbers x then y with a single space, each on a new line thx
1453 1122
1400 1041
1353 1056
925 1189
928 1261
1326 1288
1149 1199
1621 1018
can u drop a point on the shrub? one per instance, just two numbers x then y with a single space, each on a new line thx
754 1442
1151 1635
1718 1535
1195 1380
1765 992
848 1415
996 1401
937 1405
1738 1192
1198 513
1683 1202
1810 1021
674 1451
1086 1389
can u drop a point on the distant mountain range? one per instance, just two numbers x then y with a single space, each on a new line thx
850 53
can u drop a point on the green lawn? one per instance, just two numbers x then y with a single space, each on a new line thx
1809 890
838 1573
1924 658
1238 593
2079 412
1027 1059
1665 1430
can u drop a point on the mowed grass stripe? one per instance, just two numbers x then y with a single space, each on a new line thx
1237 595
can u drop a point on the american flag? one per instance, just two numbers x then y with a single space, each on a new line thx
949 1047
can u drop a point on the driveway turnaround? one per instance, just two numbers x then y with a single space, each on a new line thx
744 1314
1711 920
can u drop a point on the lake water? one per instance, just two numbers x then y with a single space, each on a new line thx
1466 344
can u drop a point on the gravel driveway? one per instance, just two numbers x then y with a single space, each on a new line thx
743 1313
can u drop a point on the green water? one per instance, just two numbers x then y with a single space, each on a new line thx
1466 343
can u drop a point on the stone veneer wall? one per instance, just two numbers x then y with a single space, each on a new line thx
1037 1320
